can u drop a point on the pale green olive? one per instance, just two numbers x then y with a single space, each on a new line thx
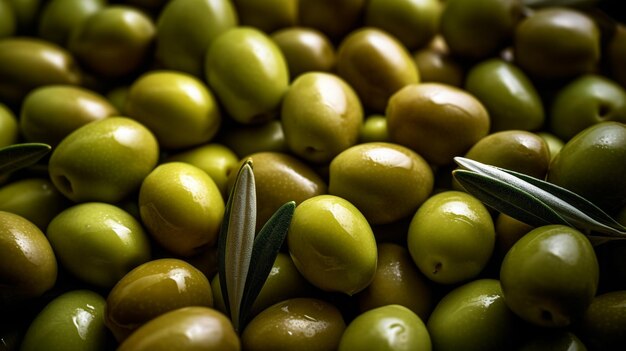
374 128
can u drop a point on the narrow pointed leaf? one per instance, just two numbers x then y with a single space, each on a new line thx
508 199
267 244
237 239
17 156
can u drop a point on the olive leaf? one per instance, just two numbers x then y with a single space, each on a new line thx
18 156
535 201
245 261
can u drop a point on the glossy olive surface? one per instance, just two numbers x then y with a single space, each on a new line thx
301 323
305 50
186 328
250 139
603 324
58 18
437 65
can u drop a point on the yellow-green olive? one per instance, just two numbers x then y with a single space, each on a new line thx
58 18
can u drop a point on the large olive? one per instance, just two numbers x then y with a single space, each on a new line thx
603 326
50 113
376 65
150 290
305 50
58 18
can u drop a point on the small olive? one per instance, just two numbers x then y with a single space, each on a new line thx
437 65
335 18
58 18
603 326
267 15
9 126
305 50
374 129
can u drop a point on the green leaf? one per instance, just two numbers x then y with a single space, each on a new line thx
236 240
18 156
267 244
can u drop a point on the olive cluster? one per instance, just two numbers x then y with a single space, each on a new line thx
355 110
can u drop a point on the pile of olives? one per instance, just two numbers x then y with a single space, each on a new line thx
355 110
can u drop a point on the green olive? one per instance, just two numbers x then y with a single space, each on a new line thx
616 52
182 208
249 74
305 324
385 181
374 129
58 18
50 113
376 65
8 126
251 139
186 29
28 266
114 41
150 290
321 116
305 50
267 15
178 330
508 231
26 14
7 19
603 324
555 144
27 63
437 65
335 18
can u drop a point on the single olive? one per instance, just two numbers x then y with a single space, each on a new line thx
385 181
182 208
398 282
335 18
9 129
587 100
186 328
305 50
592 165
267 15
556 43
72 321
451 237
473 316
603 326
437 121
376 65
616 52
332 244
152 289
305 324
178 108
280 178
477 29
28 266
436 64
59 18
27 63
550 276
321 116
386 328
374 128
508 95
508 231
413 22
517 150
114 41
104 160
251 139
186 29
117 97
7 19
35 199
555 144
51 112
249 74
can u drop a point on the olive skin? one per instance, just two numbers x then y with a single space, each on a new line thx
267 15
556 43
550 276
602 326
398 281
58 18
335 18
390 327
35 199
413 22
591 164
104 160
455 121
555 144
473 316
71 321
305 50
177 329
97 242
178 108
374 129
152 289
113 42
478 29
376 65
451 237
7 19
587 100
321 116
27 263
517 150
251 139
198 22
50 113
616 52
437 65
9 130
182 208
305 324
328 226
385 181
508 95
248 73
28 63
26 13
